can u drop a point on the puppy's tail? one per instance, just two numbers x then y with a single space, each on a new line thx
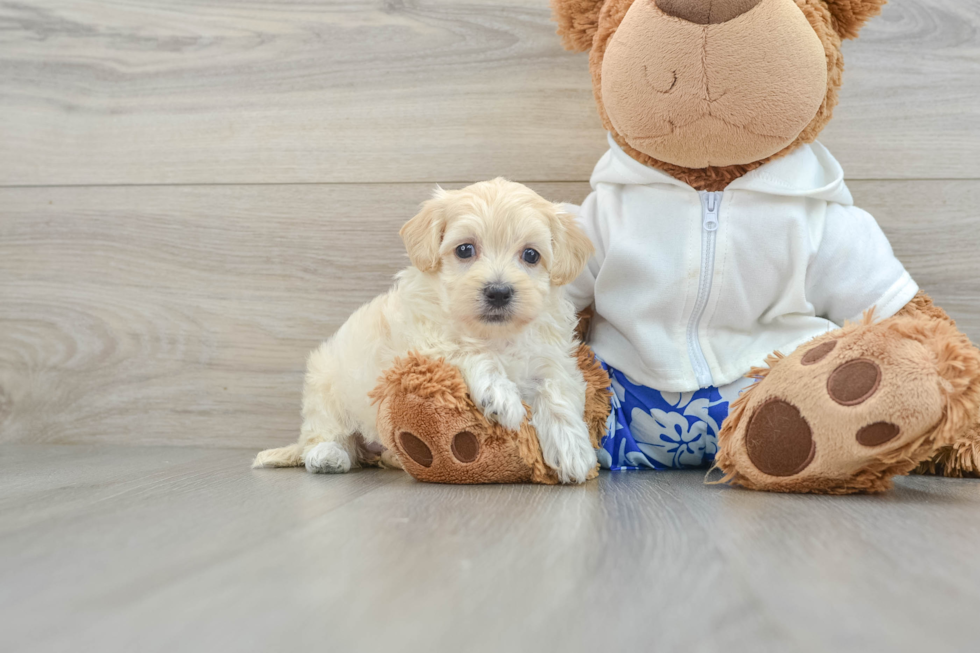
291 456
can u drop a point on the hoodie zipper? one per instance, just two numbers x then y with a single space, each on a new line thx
710 210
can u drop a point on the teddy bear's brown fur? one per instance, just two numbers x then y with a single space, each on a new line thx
924 357
939 355
842 414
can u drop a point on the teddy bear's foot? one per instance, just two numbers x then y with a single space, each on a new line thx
848 411
958 460
428 420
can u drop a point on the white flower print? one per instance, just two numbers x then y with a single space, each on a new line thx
668 436
619 392
666 429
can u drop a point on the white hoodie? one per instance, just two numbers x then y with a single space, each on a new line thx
693 289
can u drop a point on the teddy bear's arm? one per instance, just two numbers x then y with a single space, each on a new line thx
922 306
962 457
854 269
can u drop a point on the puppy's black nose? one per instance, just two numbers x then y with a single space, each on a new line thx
498 295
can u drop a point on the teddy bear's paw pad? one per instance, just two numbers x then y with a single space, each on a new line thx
415 449
818 353
440 444
854 382
877 434
779 441
835 414
465 447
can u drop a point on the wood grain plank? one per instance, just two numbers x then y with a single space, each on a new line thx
183 315
95 92
124 522
204 552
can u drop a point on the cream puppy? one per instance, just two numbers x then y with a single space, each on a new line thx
483 292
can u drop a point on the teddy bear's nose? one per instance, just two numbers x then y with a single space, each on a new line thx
706 12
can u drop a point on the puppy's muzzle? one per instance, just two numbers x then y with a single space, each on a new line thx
498 299
497 295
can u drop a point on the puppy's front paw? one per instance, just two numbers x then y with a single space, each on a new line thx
568 450
500 401
327 458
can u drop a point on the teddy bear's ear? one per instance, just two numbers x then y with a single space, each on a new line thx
577 22
851 15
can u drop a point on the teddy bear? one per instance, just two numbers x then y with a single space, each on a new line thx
748 316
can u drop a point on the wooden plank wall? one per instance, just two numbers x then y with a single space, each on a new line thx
193 195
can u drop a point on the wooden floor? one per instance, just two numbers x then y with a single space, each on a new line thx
194 194
183 549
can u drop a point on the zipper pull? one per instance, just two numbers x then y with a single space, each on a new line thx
712 204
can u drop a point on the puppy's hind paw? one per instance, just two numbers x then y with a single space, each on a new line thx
327 458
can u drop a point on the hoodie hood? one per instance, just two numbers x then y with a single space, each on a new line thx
809 171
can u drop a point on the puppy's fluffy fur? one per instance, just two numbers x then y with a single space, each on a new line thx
495 311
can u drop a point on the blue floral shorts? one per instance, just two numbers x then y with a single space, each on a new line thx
649 429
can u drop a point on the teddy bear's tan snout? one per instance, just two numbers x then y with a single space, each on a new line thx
693 83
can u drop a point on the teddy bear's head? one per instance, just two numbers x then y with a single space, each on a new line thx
708 90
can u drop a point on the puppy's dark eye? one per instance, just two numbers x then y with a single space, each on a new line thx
465 251
531 256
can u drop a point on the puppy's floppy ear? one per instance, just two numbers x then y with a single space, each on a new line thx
851 15
571 247
577 21
423 233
